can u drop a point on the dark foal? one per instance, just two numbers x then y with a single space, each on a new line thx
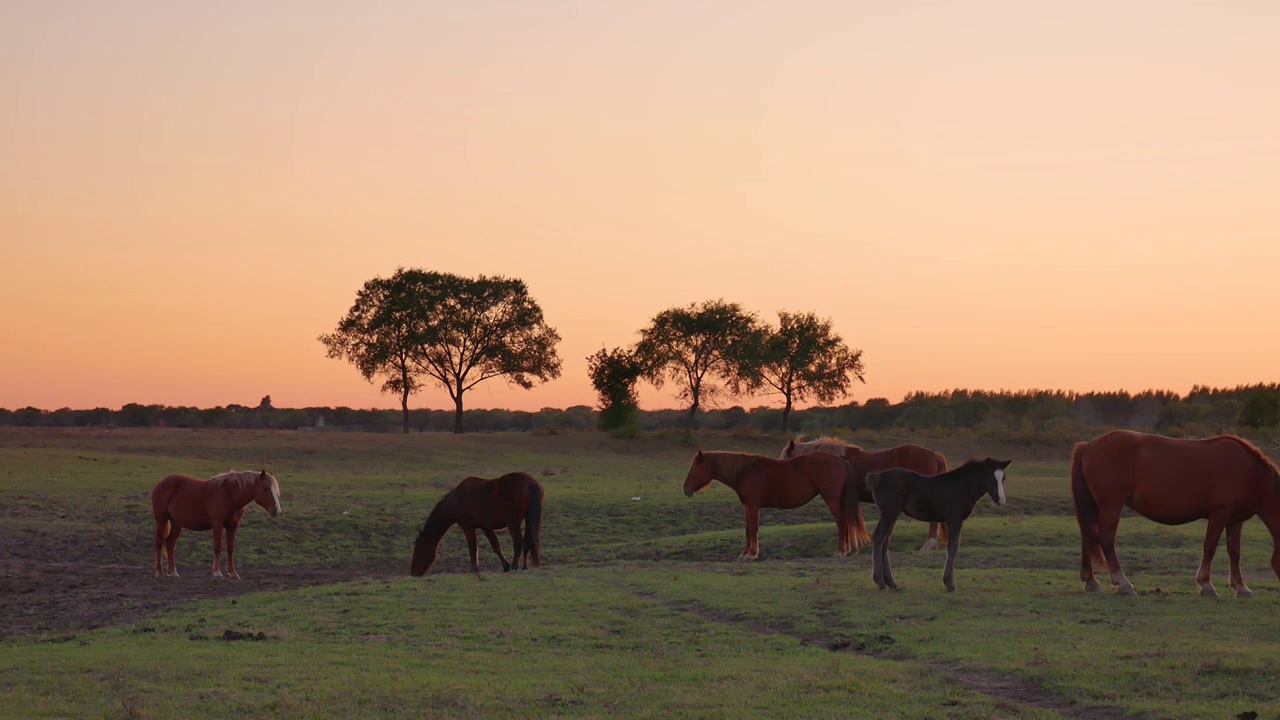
945 498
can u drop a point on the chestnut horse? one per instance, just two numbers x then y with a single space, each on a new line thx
486 505
1223 479
909 457
761 481
182 502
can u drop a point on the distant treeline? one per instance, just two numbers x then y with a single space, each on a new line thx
1033 414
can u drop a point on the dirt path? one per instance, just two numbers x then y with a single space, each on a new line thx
1005 689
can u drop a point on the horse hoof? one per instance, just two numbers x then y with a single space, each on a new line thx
1208 592
1092 586
1128 590
233 576
217 575
1244 592
930 544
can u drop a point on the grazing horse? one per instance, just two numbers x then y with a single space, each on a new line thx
909 456
761 481
1223 479
945 498
182 502
485 505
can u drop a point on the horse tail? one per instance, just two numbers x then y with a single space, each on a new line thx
1085 504
855 524
533 524
941 468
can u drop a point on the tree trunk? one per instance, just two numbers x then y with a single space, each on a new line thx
786 416
457 414
404 407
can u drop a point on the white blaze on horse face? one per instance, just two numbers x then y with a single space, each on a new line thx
1000 486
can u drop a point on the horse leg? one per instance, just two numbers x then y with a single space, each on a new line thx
931 542
170 544
162 529
517 546
217 549
231 551
474 549
1212 535
1108 522
842 531
752 550
880 539
953 546
497 548
1236 578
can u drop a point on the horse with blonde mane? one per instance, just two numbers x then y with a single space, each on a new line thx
907 457
182 502
762 482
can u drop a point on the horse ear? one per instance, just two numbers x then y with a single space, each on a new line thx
698 456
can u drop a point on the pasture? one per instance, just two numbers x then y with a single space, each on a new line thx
638 611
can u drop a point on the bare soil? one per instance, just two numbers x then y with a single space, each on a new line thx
41 593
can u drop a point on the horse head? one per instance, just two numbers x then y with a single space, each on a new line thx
427 545
266 492
699 476
995 481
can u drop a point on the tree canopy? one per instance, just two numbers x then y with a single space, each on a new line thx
700 349
383 332
419 326
614 374
803 359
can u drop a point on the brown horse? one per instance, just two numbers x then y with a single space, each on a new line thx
908 457
1223 479
486 505
761 481
182 502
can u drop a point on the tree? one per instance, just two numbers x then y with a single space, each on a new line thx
1261 410
804 359
694 346
384 331
614 374
482 328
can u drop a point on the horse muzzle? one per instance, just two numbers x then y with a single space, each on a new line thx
273 512
688 493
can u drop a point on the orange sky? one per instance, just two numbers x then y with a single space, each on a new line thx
981 194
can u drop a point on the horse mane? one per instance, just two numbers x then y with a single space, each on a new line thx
732 464
238 478
1261 456
826 443
435 524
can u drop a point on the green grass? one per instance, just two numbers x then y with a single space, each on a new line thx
639 612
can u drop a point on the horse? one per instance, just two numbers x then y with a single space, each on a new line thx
761 481
486 505
1224 479
182 502
909 456
948 498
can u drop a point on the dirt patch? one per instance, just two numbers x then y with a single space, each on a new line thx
42 595
1003 688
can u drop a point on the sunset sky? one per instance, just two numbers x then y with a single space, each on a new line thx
982 194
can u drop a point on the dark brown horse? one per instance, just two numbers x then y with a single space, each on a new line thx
1223 479
762 482
909 456
948 498
182 502
485 505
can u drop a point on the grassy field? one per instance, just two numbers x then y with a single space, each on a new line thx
639 610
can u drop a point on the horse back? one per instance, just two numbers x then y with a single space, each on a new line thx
1171 480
